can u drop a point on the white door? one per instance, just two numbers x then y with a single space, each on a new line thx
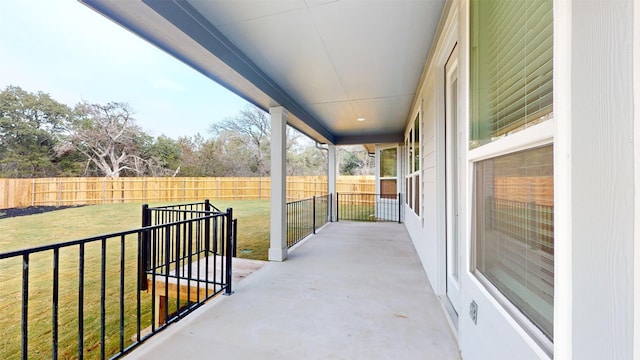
452 182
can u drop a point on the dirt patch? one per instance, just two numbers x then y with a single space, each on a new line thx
31 210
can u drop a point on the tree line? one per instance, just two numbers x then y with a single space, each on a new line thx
41 137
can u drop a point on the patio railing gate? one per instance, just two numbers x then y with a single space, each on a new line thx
97 285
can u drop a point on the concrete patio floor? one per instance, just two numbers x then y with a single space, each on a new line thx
352 291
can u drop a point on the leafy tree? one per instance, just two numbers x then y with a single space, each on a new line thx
245 137
306 159
354 160
216 160
189 147
165 151
30 127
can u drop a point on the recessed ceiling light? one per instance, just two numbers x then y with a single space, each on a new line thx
361 119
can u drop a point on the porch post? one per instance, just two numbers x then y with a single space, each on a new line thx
278 247
332 176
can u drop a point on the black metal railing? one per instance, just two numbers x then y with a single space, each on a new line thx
186 263
305 216
170 213
369 207
82 298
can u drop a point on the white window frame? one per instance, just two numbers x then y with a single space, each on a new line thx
534 136
398 169
411 172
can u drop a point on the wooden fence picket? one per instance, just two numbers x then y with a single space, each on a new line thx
89 191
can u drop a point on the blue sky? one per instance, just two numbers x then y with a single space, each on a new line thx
63 48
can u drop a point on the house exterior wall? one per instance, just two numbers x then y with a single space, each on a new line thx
596 264
594 155
426 229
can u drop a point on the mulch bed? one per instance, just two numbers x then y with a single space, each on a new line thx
30 210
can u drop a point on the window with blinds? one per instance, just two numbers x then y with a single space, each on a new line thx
388 173
511 65
412 179
514 237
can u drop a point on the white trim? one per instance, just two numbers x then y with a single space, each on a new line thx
563 275
378 177
523 322
636 91
508 317
536 135
437 82
454 155
411 175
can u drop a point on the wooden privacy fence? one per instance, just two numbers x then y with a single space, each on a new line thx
88 191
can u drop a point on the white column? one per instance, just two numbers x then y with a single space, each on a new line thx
332 176
378 189
278 247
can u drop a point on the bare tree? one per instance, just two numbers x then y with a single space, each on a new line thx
251 128
246 141
111 141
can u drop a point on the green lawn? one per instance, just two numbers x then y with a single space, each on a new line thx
75 223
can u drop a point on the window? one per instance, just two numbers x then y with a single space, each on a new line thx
512 91
406 179
388 173
512 66
412 180
514 230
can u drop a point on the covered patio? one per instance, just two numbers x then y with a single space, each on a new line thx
350 292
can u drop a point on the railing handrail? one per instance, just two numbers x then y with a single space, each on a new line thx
307 199
178 205
204 203
163 208
62 244
188 211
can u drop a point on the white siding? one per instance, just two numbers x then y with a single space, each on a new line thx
594 153
636 91
596 192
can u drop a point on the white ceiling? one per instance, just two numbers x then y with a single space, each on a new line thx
335 60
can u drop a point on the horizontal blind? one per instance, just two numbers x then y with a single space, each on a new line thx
517 37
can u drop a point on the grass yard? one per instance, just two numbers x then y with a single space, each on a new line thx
75 223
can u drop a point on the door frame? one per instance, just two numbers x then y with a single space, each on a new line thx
452 182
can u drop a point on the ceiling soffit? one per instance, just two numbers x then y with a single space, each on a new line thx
340 60
328 62
184 17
